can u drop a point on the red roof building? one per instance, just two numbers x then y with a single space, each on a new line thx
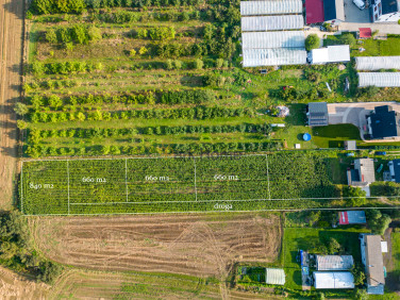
365 33
314 11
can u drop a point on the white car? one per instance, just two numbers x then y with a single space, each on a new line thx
359 3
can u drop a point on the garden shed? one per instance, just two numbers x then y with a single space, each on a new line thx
266 23
274 276
272 7
333 280
352 217
373 63
330 54
273 57
334 262
379 79
273 39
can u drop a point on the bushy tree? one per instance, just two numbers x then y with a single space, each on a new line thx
355 196
21 109
312 42
348 39
377 221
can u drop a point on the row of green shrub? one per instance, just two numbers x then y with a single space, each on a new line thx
77 34
41 150
36 134
196 96
78 6
197 113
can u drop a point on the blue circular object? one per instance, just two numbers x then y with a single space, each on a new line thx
307 137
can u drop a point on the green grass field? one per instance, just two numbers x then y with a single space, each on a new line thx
180 184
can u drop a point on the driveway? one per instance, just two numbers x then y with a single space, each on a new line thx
353 14
355 113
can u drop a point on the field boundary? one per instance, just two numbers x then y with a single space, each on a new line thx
127 203
222 211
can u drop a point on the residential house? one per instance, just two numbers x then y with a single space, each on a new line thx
383 123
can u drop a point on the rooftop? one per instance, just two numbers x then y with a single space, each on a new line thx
373 63
264 23
330 54
334 262
379 79
374 260
318 114
366 169
384 122
272 7
333 280
314 11
275 276
352 217
334 10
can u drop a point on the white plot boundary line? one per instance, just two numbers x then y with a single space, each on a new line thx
150 157
22 187
126 179
195 177
225 211
229 200
68 186
269 191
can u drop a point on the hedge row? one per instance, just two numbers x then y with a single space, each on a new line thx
41 151
198 113
159 130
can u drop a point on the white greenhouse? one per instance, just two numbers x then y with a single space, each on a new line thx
273 57
272 7
372 63
267 23
274 39
379 79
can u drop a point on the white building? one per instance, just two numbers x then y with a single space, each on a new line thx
333 280
267 23
385 11
330 54
271 7
374 63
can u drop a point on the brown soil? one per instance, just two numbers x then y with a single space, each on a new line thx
11 26
13 286
199 245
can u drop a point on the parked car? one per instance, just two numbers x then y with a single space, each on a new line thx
380 153
350 154
359 3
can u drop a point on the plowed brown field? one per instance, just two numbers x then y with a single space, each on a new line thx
199 245
11 26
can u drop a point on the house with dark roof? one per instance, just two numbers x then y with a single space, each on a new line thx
372 259
385 11
318 114
322 11
394 170
383 123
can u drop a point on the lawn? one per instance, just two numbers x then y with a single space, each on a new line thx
333 136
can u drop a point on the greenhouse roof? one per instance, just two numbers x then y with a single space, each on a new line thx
266 23
277 39
379 79
273 57
272 7
371 63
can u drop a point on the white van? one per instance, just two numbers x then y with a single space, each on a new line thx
359 3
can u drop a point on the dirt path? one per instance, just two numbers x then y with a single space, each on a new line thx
11 28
